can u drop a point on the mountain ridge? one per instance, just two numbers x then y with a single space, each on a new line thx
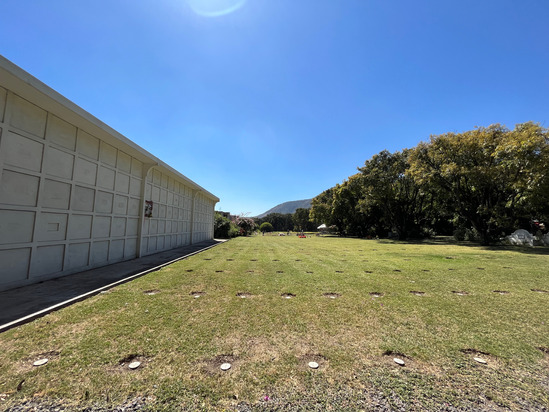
288 207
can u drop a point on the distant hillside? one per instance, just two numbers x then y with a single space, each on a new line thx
288 207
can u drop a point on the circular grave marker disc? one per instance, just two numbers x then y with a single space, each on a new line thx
134 365
225 366
196 296
398 361
313 365
480 360
40 362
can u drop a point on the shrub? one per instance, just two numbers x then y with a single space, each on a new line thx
222 226
266 227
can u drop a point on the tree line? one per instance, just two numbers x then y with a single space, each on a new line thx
225 228
479 184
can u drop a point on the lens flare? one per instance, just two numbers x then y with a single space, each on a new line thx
215 8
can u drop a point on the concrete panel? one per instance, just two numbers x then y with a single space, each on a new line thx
80 227
169 212
120 205
47 260
146 226
118 226
153 226
132 227
100 252
60 132
163 196
16 227
51 226
108 154
165 179
155 194
148 191
26 116
101 226
18 188
134 207
105 178
168 226
160 243
145 244
20 151
156 177
83 199
103 202
161 211
87 145
3 94
85 171
15 264
161 226
137 168
170 198
171 184
56 195
130 248
152 244
122 183
78 255
58 163
135 187
116 251
124 162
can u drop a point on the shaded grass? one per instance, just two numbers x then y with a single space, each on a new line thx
181 340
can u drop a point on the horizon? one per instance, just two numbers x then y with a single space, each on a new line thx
263 102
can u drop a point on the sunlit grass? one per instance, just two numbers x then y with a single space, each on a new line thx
181 340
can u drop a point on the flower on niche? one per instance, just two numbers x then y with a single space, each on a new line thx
266 398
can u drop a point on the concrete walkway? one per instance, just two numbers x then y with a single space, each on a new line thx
21 305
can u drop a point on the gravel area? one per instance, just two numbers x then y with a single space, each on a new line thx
340 400
136 404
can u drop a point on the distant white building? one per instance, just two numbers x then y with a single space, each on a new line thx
76 194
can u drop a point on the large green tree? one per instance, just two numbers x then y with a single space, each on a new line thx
321 207
389 191
302 220
488 177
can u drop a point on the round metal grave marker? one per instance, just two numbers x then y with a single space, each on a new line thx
40 362
313 365
480 360
225 366
398 361
134 365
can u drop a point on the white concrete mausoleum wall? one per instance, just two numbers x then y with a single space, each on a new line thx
73 191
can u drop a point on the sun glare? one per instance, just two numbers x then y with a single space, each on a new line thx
215 8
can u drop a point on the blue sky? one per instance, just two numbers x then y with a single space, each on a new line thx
266 101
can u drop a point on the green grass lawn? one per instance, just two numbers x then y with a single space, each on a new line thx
354 306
